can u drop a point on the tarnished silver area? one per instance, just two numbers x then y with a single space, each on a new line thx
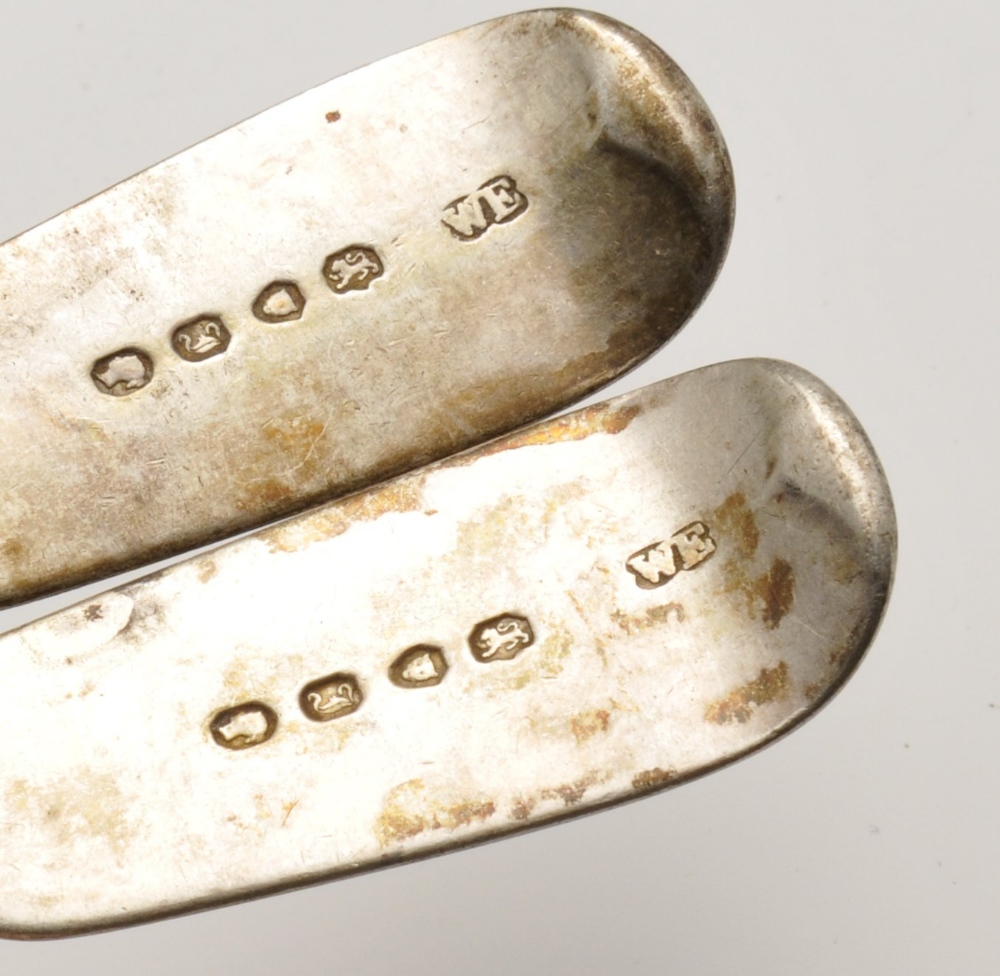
390 268
583 612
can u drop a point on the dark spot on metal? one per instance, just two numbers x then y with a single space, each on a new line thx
588 724
771 685
776 589
735 522
652 779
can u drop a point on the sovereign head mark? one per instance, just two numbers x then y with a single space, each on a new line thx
122 372
662 561
201 338
501 638
244 725
419 667
497 201
280 301
331 697
353 268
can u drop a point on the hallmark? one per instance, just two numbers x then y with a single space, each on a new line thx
331 697
122 372
497 201
501 638
280 301
662 561
418 667
353 268
201 338
244 726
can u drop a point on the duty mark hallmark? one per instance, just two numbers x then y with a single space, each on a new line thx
122 372
244 725
497 201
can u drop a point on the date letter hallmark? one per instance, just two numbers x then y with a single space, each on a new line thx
497 201
500 638
331 697
244 726
662 561
352 269
201 338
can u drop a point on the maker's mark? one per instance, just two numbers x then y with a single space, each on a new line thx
497 201
662 561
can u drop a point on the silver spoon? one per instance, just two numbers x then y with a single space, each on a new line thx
387 269
589 610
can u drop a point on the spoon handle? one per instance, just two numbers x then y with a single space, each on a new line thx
581 613
385 270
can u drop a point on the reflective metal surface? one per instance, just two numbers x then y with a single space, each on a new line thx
382 271
588 610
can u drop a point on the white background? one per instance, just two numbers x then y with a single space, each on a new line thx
865 140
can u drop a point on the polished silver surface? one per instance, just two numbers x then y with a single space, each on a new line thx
389 268
586 611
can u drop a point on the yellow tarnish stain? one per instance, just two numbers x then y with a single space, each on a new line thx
409 810
288 808
87 807
13 550
571 793
291 443
236 678
770 596
652 779
771 685
541 662
842 566
734 522
549 661
207 570
775 591
522 808
654 615
405 495
511 521
588 724
573 427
